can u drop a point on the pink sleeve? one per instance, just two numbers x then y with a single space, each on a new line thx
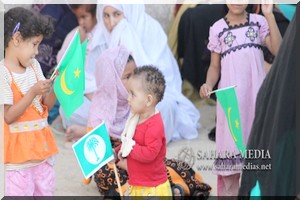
264 29
65 45
214 44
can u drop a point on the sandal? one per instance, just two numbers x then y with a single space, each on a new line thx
179 194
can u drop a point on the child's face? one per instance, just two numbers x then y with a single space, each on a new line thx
129 68
86 20
111 17
28 49
137 98
237 9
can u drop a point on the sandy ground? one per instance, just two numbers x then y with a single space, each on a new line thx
69 178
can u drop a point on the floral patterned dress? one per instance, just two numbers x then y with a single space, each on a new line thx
242 64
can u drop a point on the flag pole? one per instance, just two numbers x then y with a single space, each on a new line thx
214 91
53 76
118 181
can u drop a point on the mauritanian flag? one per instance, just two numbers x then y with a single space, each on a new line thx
70 83
228 101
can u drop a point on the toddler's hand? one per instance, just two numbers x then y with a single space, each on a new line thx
205 90
122 163
41 87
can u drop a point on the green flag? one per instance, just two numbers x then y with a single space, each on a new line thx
69 85
228 101
93 150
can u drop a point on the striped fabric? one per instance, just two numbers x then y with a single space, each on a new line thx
24 82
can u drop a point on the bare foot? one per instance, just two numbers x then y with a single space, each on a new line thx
74 132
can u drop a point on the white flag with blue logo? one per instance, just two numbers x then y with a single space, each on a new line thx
93 150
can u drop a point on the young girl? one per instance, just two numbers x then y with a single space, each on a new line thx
28 142
235 42
143 145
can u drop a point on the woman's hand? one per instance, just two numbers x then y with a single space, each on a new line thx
205 90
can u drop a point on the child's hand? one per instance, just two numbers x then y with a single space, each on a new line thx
41 87
205 90
267 9
122 163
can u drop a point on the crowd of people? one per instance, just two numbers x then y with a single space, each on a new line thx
133 83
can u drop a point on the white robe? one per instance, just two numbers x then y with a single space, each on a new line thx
147 41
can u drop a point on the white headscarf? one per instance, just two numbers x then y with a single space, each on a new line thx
144 37
109 102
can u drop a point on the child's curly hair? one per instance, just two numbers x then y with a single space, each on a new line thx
30 24
153 80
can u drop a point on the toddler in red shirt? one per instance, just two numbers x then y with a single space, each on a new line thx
143 147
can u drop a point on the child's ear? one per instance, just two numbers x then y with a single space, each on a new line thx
17 38
150 100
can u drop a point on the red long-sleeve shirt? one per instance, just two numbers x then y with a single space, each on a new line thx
145 162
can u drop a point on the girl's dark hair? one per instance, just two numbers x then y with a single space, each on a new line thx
31 24
153 80
91 8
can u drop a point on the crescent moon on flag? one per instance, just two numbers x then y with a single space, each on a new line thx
64 87
230 127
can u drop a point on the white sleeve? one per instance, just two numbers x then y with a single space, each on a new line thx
6 94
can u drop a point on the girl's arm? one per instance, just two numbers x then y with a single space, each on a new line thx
273 40
213 75
13 112
49 99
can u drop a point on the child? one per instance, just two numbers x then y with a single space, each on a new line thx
75 128
29 145
235 42
143 139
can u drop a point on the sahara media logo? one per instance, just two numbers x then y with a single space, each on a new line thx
187 156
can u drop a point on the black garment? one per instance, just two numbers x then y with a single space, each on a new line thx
274 127
193 31
64 22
